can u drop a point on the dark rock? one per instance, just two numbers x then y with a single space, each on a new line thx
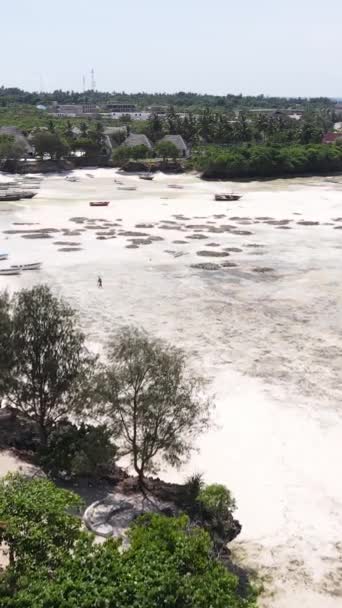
233 249
263 269
228 265
132 233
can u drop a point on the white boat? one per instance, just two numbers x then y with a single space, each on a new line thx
3 256
33 266
9 271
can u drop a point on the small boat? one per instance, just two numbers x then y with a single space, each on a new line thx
89 175
117 181
127 188
9 271
33 266
176 186
99 203
148 177
227 197
27 194
3 256
72 178
10 197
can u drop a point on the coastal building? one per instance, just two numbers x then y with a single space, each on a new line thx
73 110
122 108
137 139
178 141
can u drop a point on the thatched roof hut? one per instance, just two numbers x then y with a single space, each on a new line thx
178 141
137 139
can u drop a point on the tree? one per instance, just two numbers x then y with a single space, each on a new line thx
155 405
11 148
35 524
121 155
6 355
51 369
49 143
140 151
166 149
168 563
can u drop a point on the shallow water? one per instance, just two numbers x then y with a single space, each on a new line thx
270 342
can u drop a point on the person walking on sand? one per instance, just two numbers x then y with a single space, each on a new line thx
99 282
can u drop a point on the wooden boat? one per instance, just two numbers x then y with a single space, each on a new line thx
9 271
147 177
27 194
72 178
99 203
227 197
117 181
127 188
176 186
3 256
33 266
89 175
10 197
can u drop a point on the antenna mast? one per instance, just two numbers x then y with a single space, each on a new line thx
93 83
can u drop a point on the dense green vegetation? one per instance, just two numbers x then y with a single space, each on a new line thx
182 100
266 160
55 564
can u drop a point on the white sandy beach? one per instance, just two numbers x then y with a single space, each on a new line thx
271 342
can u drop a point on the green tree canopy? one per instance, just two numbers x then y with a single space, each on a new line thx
154 403
51 369
168 563
45 142
166 149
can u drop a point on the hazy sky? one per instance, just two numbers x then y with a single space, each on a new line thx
288 47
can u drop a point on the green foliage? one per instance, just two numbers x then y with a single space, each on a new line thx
83 450
121 155
266 161
140 152
152 400
11 148
217 499
51 369
45 142
5 335
167 564
35 524
166 149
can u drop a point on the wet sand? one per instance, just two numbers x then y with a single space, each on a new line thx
268 332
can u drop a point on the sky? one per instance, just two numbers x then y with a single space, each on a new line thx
270 47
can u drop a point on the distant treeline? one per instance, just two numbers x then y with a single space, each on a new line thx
267 161
181 99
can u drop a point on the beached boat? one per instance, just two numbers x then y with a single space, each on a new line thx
99 203
89 175
117 181
9 271
33 266
176 186
26 194
127 188
227 197
147 177
10 197
72 178
3 256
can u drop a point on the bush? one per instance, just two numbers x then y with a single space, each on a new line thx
72 450
217 499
